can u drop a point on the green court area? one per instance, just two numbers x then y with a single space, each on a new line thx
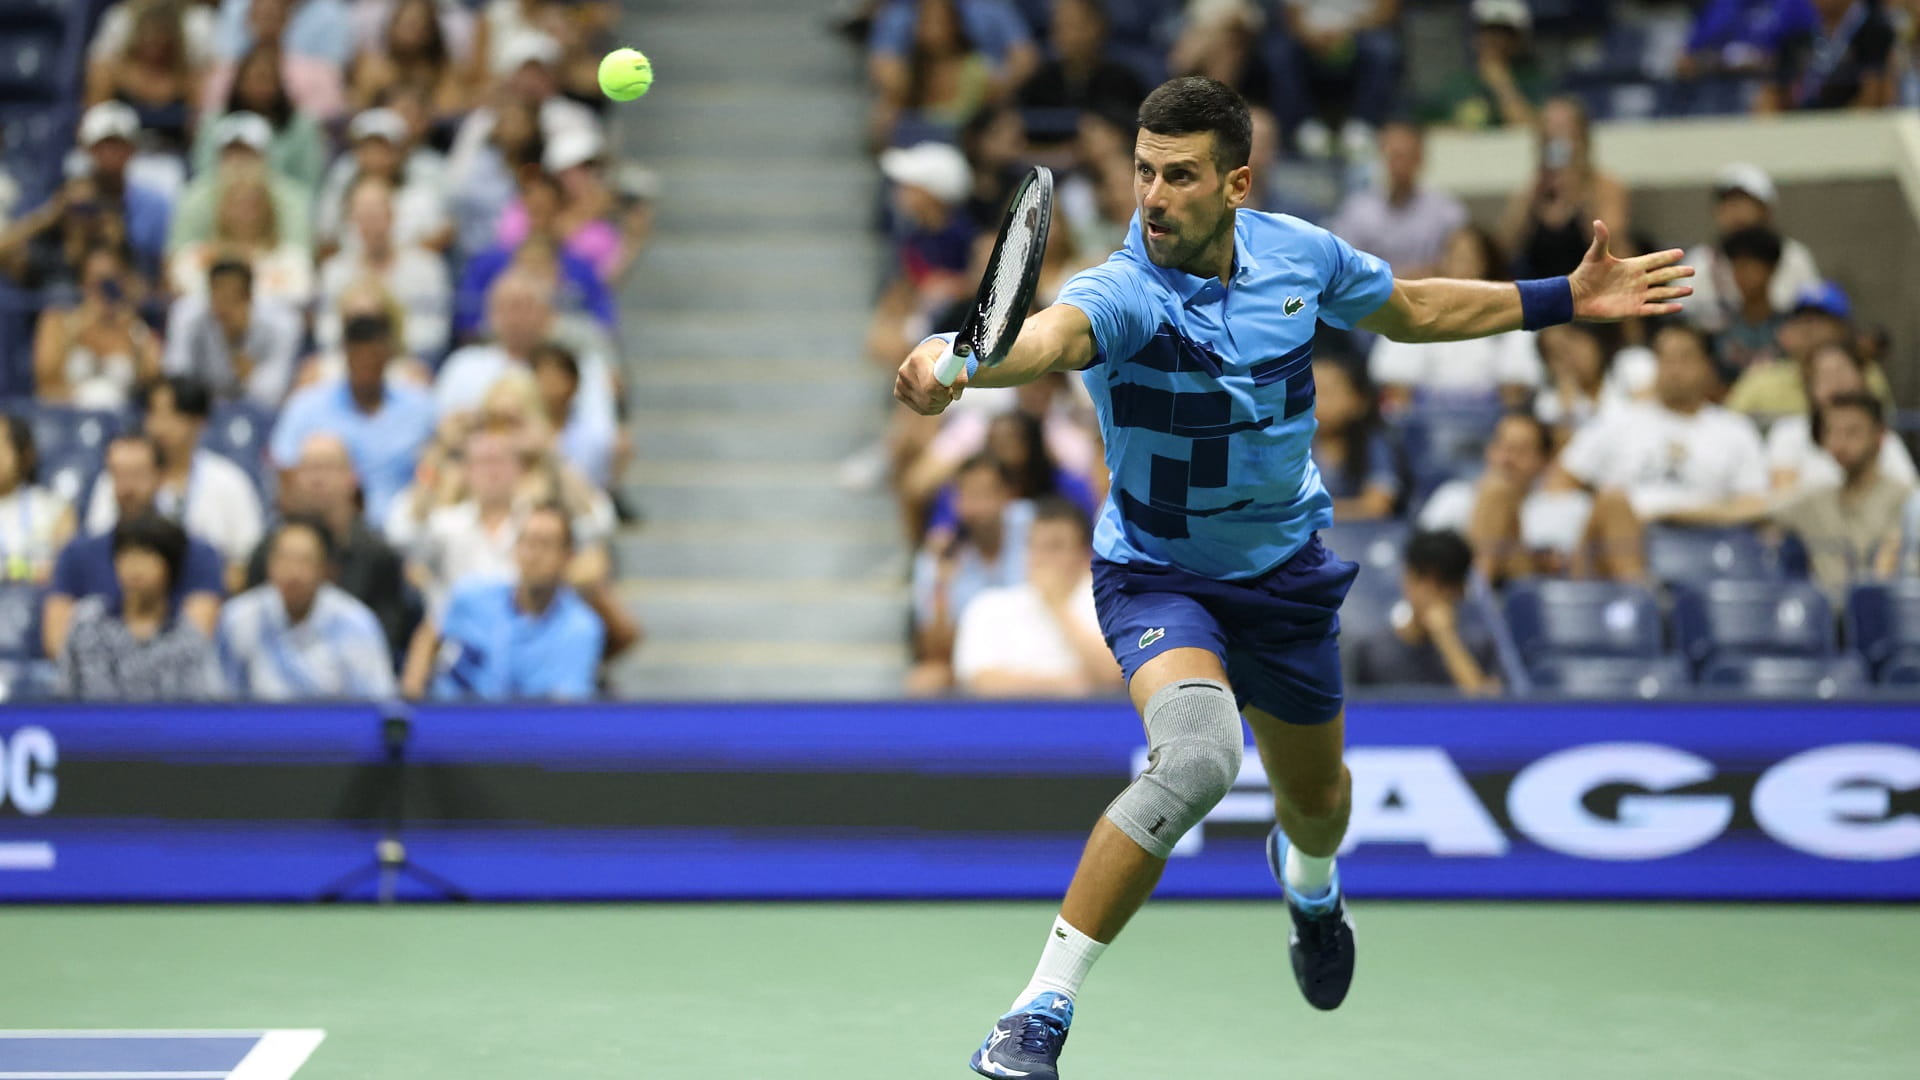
902 992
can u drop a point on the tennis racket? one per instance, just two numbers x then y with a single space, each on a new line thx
1006 288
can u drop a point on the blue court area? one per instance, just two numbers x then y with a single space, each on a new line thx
155 1055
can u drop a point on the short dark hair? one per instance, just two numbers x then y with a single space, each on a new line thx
369 329
1852 399
1194 103
1061 508
313 524
1439 555
151 532
191 395
994 465
560 513
1753 242
1540 429
552 352
26 455
234 268
143 439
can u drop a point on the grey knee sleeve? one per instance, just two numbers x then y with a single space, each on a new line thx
1193 756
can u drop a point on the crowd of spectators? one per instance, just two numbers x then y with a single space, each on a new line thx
1765 407
331 283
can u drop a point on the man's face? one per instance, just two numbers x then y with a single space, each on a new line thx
493 470
324 481
1515 453
372 214
520 315
377 157
1056 552
1809 331
1830 373
1851 436
110 156
136 477
1077 31
557 386
1185 204
1738 210
142 574
1684 378
980 498
170 427
542 551
1401 153
367 365
1751 276
231 301
920 206
297 566
1422 591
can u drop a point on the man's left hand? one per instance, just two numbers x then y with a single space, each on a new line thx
1606 289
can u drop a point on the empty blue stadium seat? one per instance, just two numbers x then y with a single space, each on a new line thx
1582 619
1753 618
1902 671
1787 676
1883 622
1613 676
1678 556
19 620
1444 439
238 431
1377 546
31 65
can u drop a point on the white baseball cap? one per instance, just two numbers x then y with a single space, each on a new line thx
381 123
245 128
1747 179
571 146
937 167
529 47
1508 13
108 120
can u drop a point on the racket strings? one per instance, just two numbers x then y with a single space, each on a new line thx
1007 289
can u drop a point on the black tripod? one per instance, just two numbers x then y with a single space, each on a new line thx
390 860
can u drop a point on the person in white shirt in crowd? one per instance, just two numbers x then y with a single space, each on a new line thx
1795 461
247 225
374 248
35 523
211 497
1743 197
1588 371
556 373
239 344
1678 459
988 548
1040 638
1515 526
380 145
1507 365
530 73
299 637
520 316
473 537
1401 220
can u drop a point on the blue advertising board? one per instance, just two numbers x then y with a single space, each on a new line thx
1720 800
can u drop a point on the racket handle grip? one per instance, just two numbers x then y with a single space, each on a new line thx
949 366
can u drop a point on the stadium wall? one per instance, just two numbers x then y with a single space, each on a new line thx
1511 799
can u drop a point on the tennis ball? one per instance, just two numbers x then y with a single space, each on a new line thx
625 74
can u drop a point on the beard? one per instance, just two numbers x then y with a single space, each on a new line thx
1180 248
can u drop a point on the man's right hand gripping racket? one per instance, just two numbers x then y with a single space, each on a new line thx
1006 288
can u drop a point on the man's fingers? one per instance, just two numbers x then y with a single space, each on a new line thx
1671 292
1598 249
1667 274
1659 260
1647 310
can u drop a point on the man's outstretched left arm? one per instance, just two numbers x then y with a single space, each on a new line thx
1601 289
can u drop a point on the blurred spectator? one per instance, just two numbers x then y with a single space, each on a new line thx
323 488
211 497
412 50
1404 222
315 41
241 345
93 353
241 141
1079 77
933 63
1427 644
385 423
86 566
1040 638
110 38
1821 316
474 537
481 184
1504 83
154 73
933 241
107 134
361 296
1744 198
247 226
1515 526
1505 364
1733 37
586 445
35 523
520 314
1548 223
1017 439
987 549
1678 459
1097 200
134 646
1343 57
1851 530
1587 373
299 637
1746 326
415 277
1350 447
1838 62
529 78
1794 454
506 641
583 216
570 22
1221 40
574 286
298 149
380 145
47 249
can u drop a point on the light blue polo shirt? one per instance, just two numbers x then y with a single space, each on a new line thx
1205 394
492 650
385 446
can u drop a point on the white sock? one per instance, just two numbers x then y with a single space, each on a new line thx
1308 875
1064 963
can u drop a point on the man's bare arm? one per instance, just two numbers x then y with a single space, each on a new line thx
1059 338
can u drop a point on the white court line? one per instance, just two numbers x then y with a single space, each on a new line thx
278 1055
112 1076
26 855
134 1033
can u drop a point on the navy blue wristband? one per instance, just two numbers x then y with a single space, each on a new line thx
1545 302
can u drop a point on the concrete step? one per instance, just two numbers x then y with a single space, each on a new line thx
716 330
784 435
771 505
764 554
747 130
716 610
715 197
782 387
761 670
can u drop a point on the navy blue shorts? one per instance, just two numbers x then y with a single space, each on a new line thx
1277 634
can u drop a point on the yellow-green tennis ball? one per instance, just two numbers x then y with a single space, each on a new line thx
625 74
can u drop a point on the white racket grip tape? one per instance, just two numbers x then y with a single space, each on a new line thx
949 366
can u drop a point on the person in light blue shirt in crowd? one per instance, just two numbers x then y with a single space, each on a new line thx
986 548
386 425
534 638
299 637
315 28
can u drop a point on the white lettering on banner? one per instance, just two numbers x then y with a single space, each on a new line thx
1414 794
1834 801
26 771
1547 802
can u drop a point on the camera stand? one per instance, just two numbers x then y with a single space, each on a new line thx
390 862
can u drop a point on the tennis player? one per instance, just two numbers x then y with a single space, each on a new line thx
1213 588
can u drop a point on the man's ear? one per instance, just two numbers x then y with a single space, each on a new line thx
1239 185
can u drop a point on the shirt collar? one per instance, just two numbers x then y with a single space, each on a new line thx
1186 285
